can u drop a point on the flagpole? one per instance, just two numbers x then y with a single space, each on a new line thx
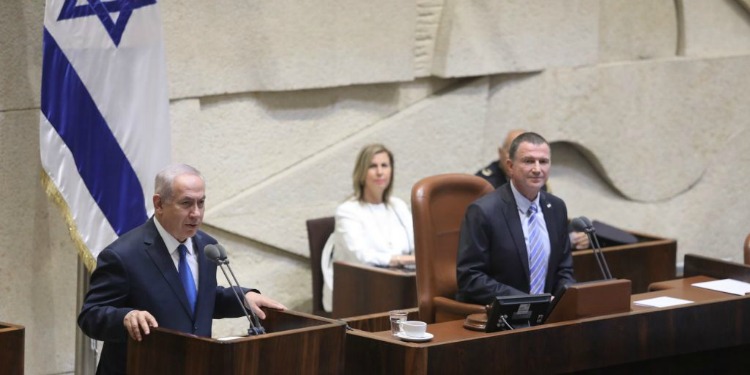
85 346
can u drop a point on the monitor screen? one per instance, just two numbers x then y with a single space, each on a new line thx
511 312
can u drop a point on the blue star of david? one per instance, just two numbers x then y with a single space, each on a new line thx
102 9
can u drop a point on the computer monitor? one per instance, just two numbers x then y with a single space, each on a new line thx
511 312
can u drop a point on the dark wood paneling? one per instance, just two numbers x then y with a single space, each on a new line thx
11 348
716 268
651 260
360 289
712 330
297 343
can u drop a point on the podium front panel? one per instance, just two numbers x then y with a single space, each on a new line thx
297 343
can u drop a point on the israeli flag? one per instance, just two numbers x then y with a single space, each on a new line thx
104 128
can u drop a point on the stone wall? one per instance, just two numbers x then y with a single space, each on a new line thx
644 101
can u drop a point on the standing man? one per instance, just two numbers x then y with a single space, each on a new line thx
158 275
514 240
497 174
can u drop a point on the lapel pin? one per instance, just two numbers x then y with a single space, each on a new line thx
549 205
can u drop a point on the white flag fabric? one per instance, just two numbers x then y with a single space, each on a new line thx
104 128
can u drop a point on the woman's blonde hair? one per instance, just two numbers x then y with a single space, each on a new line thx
363 164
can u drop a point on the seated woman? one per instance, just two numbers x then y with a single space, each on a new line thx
372 227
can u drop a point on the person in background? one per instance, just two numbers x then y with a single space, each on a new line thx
157 275
496 173
514 241
372 227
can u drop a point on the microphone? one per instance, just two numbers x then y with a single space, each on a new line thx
222 253
223 257
583 224
218 254
588 223
579 225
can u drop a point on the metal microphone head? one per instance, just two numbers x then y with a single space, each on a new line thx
213 253
222 253
588 223
578 224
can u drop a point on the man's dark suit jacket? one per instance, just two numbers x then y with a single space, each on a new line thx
136 272
492 256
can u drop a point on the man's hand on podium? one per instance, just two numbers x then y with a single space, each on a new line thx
138 323
255 301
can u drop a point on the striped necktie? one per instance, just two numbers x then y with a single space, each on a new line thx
537 260
186 277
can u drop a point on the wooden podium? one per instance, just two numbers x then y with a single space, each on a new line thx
361 289
11 348
650 260
594 298
297 343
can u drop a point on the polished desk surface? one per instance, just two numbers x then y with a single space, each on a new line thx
678 283
621 341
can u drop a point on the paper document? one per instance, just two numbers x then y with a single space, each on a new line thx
662 302
730 286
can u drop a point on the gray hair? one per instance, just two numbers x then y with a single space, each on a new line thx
165 179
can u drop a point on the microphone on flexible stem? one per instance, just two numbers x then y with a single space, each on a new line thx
608 275
583 224
218 254
258 327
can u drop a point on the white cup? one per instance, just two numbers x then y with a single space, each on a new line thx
414 328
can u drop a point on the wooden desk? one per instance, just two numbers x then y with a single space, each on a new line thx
678 283
651 260
11 348
360 289
716 268
700 268
708 335
377 322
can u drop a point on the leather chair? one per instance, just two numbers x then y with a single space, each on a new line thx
747 250
438 207
318 231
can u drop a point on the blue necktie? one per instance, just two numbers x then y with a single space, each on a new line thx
186 276
537 260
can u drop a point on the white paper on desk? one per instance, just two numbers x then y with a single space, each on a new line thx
730 286
662 302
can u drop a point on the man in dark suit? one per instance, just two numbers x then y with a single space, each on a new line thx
518 231
158 275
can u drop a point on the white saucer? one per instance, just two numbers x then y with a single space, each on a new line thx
427 337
